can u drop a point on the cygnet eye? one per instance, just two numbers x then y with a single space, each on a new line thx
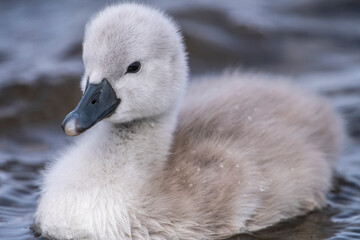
134 67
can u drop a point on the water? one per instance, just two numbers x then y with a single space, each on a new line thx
315 41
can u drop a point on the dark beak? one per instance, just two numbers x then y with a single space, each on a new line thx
98 102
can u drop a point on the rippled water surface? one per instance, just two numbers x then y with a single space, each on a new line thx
317 42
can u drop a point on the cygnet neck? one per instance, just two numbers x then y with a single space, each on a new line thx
144 143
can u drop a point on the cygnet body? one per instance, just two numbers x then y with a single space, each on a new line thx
234 153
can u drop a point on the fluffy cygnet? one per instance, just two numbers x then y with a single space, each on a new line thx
241 152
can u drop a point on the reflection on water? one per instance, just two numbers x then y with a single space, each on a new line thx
316 41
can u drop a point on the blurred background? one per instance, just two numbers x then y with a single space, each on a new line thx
316 42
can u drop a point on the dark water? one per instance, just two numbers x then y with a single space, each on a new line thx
315 41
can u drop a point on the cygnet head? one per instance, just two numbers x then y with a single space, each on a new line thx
135 67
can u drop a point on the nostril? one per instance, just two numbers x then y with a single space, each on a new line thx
94 101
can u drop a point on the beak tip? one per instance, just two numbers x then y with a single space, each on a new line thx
70 127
